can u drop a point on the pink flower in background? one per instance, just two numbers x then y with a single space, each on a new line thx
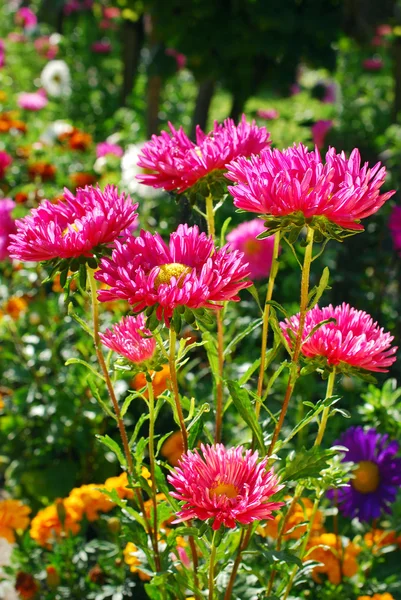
14 36
280 183
2 54
353 339
270 114
373 64
174 162
77 5
228 485
73 227
5 162
258 253
188 272
101 47
104 148
330 93
131 339
111 12
32 101
26 18
180 59
395 228
319 131
295 89
7 225
44 47
384 29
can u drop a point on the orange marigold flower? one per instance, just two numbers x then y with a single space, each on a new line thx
13 517
56 287
385 596
45 171
91 500
2 403
160 380
132 557
82 179
80 141
299 513
26 585
52 521
121 483
337 560
14 307
173 448
21 197
377 538
8 121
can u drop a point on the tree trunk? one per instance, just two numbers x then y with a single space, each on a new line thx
203 101
237 107
133 37
153 103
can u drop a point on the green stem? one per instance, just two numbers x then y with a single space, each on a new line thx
326 411
243 543
266 314
213 551
294 372
151 399
219 382
174 383
210 215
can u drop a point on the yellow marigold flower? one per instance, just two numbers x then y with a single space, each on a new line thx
173 448
92 500
300 512
121 483
377 538
13 517
132 558
52 521
385 596
14 307
160 381
337 560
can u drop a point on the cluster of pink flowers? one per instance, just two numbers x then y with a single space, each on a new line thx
280 183
105 148
175 163
74 227
5 162
225 485
7 225
32 101
131 339
352 338
44 47
189 272
26 18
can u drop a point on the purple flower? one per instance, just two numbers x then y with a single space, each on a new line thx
377 477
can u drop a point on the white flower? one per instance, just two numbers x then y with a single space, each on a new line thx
56 78
8 591
6 550
130 169
50 135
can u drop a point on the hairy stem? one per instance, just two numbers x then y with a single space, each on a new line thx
243 543
151 399
174 383
219 382
212 566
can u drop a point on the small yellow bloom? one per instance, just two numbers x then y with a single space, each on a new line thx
13 517
132 558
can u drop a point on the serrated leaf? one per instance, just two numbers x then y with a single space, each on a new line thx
246 409
306 463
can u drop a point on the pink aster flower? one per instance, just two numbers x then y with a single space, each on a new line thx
258 253
319 131
176 163
26 18
384 29
5 162
281 183
105 148
7 225
32 101
74 227
111 12
269 114
373 64
101 47
353 339
2 54
131 339
188 272
44 47
225 485
395 228
180 58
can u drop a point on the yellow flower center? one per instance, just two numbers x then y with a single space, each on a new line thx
67 229
251 247
170 270
227 489
366 477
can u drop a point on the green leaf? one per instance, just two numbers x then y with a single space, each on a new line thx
254 293
317 292
250 371
195 427
246 409
240 336
74 316
114 447
223 231
128 400
306 463
138 426
106 408
316 409
79 361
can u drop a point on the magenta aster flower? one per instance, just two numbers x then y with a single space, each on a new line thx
376 479
294 186
224 485
353 340
131 339
258 253
105 148
75 227
175 163
188 272
2 54
395 228
26 18
7 225
101 47
373 64
45 47
32 101
270 114
5 162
